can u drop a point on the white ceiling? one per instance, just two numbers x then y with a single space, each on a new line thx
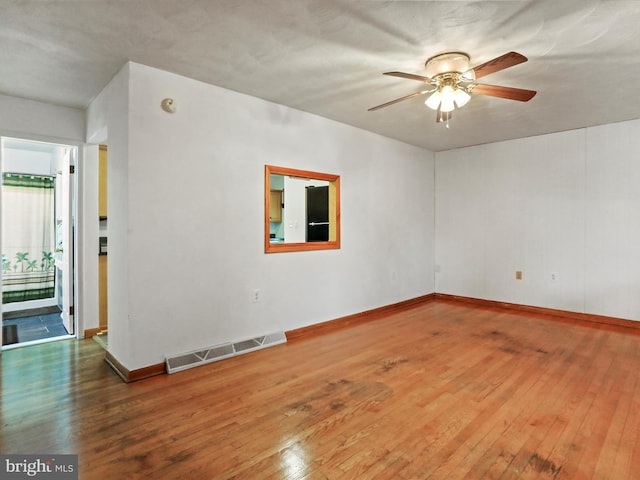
327 57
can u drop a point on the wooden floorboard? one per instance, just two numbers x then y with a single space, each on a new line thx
440 390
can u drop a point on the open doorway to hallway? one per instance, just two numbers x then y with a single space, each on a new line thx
37 241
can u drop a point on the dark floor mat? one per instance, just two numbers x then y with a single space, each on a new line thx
9 334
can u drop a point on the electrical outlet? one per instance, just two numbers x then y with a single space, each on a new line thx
554 277
518 274
255 295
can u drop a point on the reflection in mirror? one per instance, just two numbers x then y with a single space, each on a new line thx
302 210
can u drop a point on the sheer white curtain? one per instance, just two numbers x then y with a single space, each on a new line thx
28 237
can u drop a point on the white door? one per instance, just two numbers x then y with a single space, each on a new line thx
68 229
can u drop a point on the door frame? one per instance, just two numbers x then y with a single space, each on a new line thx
74 196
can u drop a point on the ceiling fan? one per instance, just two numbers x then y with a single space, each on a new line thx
451 82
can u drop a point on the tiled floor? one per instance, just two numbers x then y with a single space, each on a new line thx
38 327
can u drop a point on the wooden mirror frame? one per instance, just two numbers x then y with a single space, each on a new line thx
334 211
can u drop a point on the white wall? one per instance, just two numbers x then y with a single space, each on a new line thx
191 250
612 209
28 161
87 238
108 122
564 203
40 121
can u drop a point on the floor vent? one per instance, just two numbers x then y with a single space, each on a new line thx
203 356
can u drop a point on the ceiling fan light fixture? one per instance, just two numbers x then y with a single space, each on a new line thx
433 102
461 97
448 98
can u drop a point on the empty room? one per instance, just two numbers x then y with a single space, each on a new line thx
320 239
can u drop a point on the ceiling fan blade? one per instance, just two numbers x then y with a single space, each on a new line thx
500 63
410 76
510 93
406 97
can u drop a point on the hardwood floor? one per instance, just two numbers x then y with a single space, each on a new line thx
442 390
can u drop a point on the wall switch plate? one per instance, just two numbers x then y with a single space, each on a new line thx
518 274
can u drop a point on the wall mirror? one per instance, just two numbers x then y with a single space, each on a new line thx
301 210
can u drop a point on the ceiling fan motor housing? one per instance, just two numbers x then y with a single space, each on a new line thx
449 63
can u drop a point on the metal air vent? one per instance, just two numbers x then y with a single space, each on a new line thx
203 356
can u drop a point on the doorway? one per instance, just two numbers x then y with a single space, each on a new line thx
37 199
